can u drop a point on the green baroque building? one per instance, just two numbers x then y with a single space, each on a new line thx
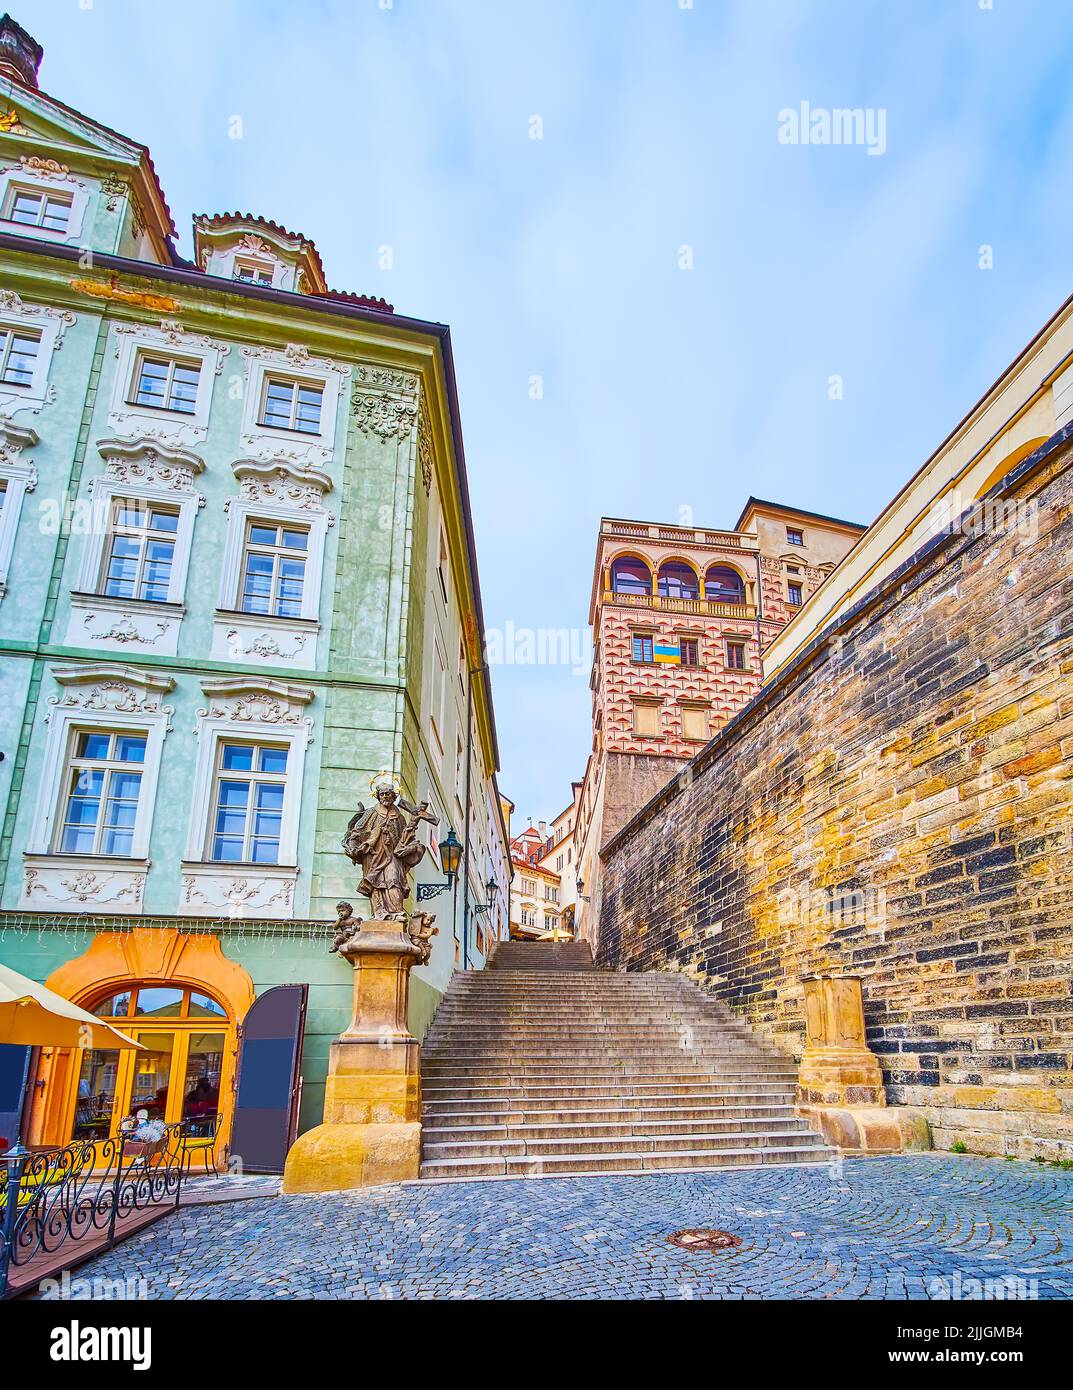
237 583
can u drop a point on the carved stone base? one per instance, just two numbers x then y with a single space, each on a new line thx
334 1157
837 1067
372 1098
869 1129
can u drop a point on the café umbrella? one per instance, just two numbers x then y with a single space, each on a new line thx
31 1015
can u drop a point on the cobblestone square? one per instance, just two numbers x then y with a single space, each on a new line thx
914 1227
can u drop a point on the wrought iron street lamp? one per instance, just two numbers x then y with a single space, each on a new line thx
491 888
450 858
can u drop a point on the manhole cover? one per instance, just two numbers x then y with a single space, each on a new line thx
704 1239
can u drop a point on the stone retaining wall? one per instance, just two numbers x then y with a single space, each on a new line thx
897 804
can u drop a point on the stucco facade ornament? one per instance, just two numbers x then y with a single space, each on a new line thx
12 304
45 168
424 447
263 644
387 379
235 895
113 188
13 440
110 687
280 481
124 631
150 462
82 886
247 700
387 416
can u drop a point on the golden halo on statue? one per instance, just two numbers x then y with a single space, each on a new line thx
385 778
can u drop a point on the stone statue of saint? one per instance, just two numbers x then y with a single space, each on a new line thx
384 842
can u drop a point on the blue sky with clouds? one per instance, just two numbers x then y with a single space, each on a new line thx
408 125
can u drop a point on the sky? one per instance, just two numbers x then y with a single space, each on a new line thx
657 305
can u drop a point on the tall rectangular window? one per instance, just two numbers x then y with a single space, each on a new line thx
292 405
647 722
165 383
793 595
690 651
443 565
736 656
439 697
50 211
694 723
18 356
273 569
250 784
102 784
642 649
140 550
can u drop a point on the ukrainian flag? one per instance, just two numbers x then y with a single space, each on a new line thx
668 653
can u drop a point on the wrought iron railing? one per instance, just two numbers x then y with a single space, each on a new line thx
52 1198
704 607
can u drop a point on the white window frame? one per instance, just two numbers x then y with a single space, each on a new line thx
232 717
258 264
170 340
20 475
144 471
50 325
240 513
100 697
172 360
252 776
41 179
289 379
292 363
108 768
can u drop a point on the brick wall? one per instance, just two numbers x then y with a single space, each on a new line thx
897 805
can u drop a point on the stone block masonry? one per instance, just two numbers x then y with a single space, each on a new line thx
896 804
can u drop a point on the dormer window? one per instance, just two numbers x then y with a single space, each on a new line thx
166 383
36 208
18 356
292 405
251 273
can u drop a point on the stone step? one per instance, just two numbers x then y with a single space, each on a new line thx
784 1121
440 1118
771 1137
571 1164
564 1109
624 1090
529 1072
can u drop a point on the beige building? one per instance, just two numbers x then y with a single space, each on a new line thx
1026 406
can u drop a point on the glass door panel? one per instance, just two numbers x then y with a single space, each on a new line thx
95 1100
201 1089
152 1073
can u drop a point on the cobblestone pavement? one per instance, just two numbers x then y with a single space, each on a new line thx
904 1227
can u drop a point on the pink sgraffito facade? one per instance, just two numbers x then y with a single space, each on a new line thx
710 602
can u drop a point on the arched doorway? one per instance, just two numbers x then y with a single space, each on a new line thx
178 995
187 1039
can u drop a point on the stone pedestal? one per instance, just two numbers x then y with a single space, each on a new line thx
372 1101
840 1084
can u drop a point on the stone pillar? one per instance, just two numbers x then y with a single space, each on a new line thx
840 1083
372 1101
838 1067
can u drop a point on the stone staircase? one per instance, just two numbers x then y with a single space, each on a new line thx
542 1064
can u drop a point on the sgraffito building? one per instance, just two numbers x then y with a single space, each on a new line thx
681 619
239 582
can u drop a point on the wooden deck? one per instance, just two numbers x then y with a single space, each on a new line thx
24 1279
